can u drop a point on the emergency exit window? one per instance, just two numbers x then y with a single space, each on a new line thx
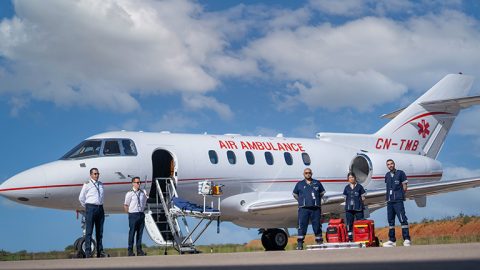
213 156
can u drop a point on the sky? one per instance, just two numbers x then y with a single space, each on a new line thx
72 69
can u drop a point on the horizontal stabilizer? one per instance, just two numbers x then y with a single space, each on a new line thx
462 103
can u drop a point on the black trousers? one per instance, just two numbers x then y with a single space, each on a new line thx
94 216
350 217
397 209
136 223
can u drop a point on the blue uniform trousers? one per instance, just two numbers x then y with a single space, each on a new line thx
136 223
94 216
306 215
397 209
350 217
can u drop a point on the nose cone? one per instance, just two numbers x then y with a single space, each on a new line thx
27 187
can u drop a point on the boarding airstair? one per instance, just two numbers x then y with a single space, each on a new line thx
166 215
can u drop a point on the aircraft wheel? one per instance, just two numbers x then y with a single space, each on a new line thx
274 239
80 247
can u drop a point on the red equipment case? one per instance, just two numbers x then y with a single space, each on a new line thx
336 231
364 232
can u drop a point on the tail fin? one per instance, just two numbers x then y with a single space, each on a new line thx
423 126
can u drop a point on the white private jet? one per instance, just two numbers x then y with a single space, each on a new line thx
259 173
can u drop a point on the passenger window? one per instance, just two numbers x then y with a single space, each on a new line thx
111 148
213 156
231 157
250 157
129 148
306 159
288 158
269 158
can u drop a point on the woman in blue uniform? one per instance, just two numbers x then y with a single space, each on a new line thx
354 196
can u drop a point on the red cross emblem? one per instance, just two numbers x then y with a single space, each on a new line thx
423 128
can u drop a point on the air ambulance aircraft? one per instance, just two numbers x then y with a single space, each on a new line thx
258 173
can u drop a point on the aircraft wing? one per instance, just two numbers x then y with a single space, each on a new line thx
374 198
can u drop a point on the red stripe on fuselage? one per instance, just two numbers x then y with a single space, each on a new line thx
217 178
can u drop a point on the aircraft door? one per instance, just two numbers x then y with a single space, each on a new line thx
163 166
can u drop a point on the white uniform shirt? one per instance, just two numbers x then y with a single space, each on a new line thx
92 193
136 200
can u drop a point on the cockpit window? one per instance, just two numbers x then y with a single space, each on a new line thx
111 148
90 148
129 148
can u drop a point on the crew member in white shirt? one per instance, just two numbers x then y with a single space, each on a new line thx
135 201
91 197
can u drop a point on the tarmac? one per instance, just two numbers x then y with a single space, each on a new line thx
438 257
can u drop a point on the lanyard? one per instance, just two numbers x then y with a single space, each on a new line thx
139 206
96 187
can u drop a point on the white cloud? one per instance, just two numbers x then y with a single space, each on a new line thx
345 8
103 53
173 121
17 104
467 122
99 53
368 61
199 102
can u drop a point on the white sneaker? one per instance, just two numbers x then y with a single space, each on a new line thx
389 244
407 243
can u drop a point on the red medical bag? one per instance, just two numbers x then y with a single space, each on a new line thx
336 231
364 232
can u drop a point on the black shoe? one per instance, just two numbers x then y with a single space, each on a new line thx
141 253
299 247
102 255
88 255
131 254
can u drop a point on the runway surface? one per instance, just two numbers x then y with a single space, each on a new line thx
455 256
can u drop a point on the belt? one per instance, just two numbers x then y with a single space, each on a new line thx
93 205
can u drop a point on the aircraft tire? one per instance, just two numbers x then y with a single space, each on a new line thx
274 239
80 247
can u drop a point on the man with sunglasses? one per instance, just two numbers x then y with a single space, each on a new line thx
135 201
308 192
91 197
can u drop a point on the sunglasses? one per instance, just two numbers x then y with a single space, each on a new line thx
96 173
136 182
307 173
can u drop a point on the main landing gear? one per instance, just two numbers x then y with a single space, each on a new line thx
79 245
274 239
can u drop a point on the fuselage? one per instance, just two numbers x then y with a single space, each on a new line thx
251 169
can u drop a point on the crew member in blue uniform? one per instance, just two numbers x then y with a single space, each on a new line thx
396 182
135 201
308 192
91 197
354 196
